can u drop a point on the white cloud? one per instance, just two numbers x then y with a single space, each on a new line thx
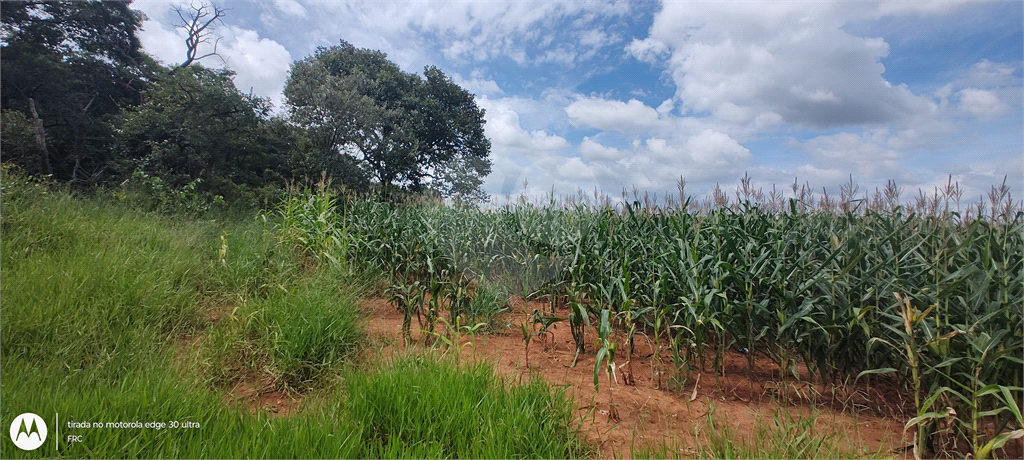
733 113
561 55
867 155
982 103
508 136
988 74
574 170
790 59
471 31
593 151
716 149
628 117
647 50
291 8
595 38
739 75
478 86
262 64
918 7
165 44
654 164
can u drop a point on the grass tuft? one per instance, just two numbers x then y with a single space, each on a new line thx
426 408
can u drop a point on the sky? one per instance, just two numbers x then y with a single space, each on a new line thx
613 96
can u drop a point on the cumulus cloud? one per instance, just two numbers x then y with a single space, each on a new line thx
596 38
477 85
508 136
982 103
614 115
594 151
477 31
164 43
291 8
519 154
737 77
647 50
866 155
657 163
988 74
792 60
714 149
261 64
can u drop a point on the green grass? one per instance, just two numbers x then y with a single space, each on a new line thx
295 334
97 297
425 408
95 290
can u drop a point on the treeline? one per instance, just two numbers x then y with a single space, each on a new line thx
84 105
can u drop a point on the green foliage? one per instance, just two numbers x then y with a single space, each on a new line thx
78 64
398 129
152 194
818 284
91 289
83 104
309 224
309 329
606 345
97 299
194 124
18 140
106 29
422 408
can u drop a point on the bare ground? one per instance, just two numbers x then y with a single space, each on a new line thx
622 415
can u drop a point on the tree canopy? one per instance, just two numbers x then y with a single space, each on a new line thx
195 124
398 129
82 103
70 68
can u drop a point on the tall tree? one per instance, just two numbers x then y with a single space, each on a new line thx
400 129
70 68
195 124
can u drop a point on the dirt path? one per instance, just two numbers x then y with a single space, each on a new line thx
646 414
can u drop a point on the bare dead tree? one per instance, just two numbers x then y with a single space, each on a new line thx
196 20
40 133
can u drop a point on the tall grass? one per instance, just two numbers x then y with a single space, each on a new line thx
295 335
425 408
100 304
92 289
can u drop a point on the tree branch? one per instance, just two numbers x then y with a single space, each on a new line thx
197 21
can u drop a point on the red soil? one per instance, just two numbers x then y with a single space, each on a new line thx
645 413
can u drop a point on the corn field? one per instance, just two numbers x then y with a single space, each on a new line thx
927 291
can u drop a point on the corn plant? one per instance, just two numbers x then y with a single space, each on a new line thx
544 322
310 224
605 358
806 279
659 320
579 321
911 346
408 298
983 351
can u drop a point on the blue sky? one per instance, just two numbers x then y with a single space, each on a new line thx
620 95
